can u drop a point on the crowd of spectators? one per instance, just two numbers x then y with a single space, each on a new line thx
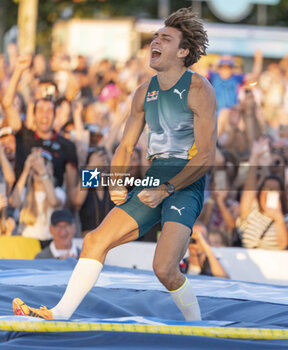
67 114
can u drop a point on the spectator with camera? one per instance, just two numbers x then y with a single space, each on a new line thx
63 152
36 196
221 208
201 259
232 138
263 220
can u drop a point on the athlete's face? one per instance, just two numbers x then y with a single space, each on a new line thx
165 51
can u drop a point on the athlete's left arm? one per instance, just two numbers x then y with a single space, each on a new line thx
201 101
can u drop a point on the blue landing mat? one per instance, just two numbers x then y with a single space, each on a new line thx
126 295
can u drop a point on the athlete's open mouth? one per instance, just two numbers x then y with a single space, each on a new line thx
155 53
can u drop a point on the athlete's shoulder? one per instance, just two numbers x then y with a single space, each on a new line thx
140 93
203 90
142 89
200 82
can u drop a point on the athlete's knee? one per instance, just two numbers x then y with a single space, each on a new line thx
164 272
95 240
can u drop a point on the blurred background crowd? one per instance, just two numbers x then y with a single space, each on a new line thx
61 113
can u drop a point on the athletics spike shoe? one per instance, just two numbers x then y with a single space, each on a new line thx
21 309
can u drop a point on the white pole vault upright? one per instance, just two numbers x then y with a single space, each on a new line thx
27 24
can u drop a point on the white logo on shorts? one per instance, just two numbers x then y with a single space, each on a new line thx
179 210
176 91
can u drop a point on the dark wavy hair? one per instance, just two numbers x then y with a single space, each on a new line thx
194 36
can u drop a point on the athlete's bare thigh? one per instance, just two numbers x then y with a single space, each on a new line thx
117 228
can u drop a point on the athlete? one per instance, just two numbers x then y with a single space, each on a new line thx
179 107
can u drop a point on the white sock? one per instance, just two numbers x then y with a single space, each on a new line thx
186 301
82 280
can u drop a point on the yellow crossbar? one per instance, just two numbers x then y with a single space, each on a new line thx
219 332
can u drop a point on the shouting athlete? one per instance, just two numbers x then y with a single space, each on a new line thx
179 107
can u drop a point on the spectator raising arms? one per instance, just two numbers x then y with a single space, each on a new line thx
226 83
7 179
63 151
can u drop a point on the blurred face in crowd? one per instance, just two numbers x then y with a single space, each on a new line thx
39 65
194 242
8 144
44 116
100 159
277 164
63 233
215 239
59 62
49 170
225 71
61 115
234 116
200 228
195 248
81 62
68 131
97 113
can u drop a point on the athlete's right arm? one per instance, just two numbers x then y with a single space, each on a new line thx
133 129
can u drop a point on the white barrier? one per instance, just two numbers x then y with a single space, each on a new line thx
255 265
251 265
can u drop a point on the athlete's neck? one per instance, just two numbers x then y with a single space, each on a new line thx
169 78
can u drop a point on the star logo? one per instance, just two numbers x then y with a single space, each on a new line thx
90 178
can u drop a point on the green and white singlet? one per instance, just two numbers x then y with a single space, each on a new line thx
169 119
171 144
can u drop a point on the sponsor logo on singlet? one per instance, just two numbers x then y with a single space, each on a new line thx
152 96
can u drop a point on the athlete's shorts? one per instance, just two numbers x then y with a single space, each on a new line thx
184 206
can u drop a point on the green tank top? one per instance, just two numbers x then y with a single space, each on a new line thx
169 119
